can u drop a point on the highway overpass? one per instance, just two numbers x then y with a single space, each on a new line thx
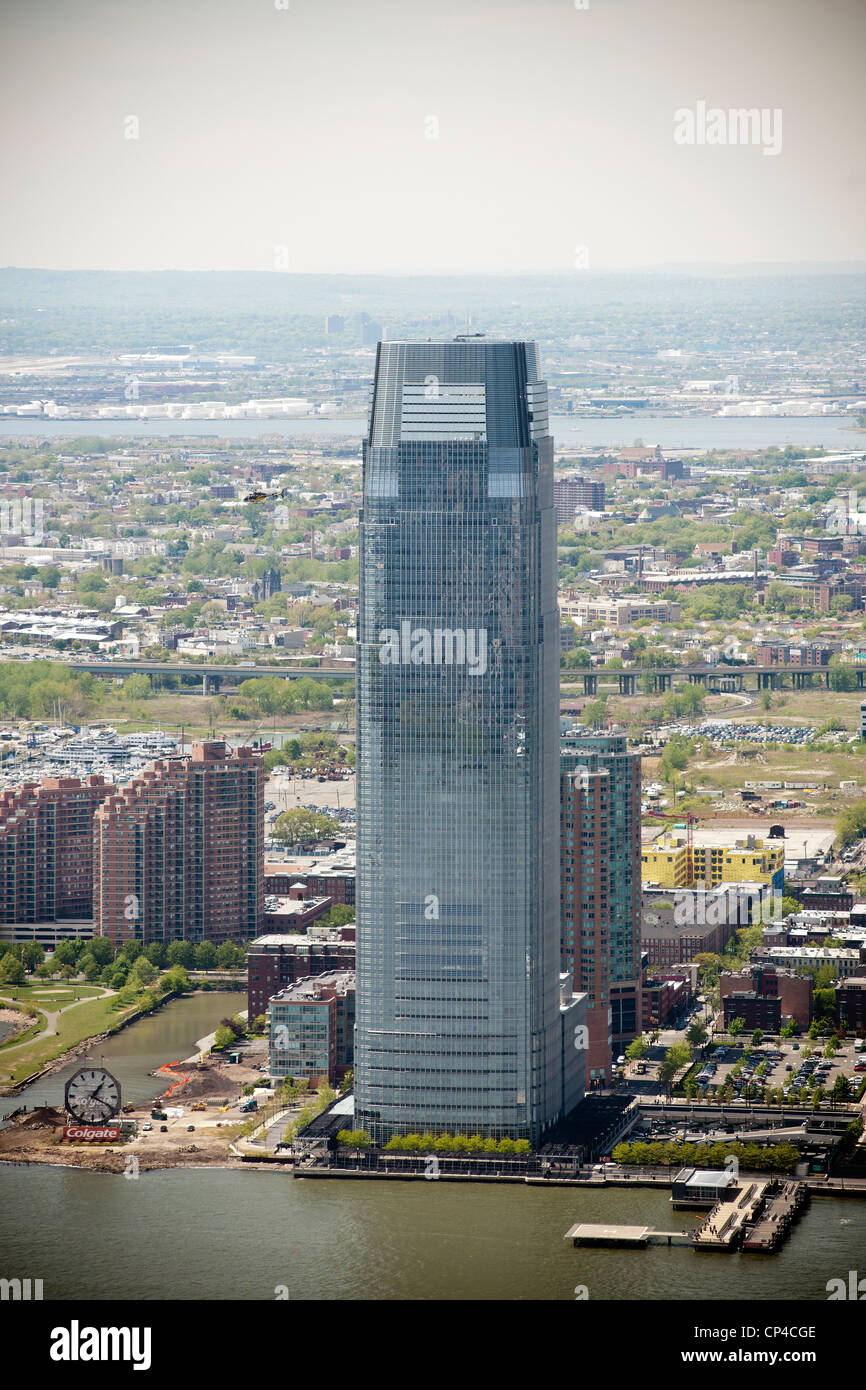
717 679
212 676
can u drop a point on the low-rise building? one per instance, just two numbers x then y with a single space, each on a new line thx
311 1028
280 958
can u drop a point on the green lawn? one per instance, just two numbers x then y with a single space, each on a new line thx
96 1016
48 996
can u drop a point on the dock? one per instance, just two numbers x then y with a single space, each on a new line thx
625 1237
779 1214
724 1227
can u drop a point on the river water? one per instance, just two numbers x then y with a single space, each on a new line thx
221 1234
670 431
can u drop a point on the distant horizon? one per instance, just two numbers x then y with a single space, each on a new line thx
842 267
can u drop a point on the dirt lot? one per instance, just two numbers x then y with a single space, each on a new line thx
37 1137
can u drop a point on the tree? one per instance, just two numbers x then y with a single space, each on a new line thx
90 968
757 1038
843 677
102 950
326 1096
354 1139
137 687
11 970
32 955
223 1037
300 826
142 972
205 956
637 1049
696 1034
230 957
180 953
155 953
177 980
674 1060
840 1090
65 953
851 824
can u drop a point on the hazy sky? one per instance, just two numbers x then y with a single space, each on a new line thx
299 137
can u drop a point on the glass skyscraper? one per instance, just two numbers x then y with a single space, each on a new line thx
459 1022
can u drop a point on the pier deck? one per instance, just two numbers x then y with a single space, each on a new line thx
727 1221
778 1216
635 1237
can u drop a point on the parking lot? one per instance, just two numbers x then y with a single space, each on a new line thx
794 1066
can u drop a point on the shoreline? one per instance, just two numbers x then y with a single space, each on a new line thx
117 1168
10 1092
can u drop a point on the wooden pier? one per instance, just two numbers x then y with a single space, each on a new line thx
779 1214
726 1223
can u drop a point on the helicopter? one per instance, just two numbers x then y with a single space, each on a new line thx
267 496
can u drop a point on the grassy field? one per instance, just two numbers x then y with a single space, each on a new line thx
786 707
83 1021
49 996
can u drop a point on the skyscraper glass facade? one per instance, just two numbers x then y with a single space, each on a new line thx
458 1021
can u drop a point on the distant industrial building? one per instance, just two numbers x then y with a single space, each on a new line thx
851 1005
783 654
621 612
333 878
677 926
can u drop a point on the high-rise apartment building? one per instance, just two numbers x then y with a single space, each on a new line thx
571 493
46 849
459 1022
178 851
600 891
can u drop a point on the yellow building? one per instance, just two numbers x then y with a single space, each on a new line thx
751 860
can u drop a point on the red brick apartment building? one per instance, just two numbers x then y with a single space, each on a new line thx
761 983
279 959
46 849
178 852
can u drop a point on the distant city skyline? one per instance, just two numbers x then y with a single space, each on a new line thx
508 137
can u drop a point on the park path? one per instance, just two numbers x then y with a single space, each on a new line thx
50 1030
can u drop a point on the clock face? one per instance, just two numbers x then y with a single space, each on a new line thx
92 1095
